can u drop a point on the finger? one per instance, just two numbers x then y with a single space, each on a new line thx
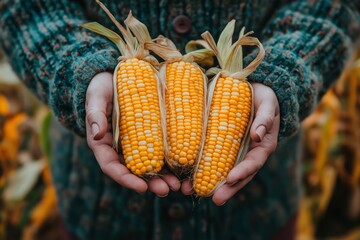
98 104
109 162
263 122
96 121
186 187
172 181
253 162
225 192
266 108
158 186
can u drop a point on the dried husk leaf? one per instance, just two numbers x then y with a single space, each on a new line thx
165 42
130 40
140 32
238 54
224 43
201 56
168 53
212 72
211 45
166 50
249 41
129 46
116 112
111 35
161 85
194 45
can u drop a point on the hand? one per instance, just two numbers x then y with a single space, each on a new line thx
99 104
263 133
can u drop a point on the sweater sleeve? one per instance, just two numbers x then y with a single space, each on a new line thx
52 55
307 44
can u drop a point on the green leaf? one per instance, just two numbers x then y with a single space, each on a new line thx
45 140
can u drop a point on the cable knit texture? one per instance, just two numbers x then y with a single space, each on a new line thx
307 43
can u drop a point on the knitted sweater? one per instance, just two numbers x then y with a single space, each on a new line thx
307 45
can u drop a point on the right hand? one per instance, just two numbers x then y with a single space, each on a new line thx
99 104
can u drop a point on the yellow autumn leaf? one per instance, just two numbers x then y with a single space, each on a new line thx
41 213
4 105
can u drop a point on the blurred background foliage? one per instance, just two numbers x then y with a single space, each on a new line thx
330 206
28 208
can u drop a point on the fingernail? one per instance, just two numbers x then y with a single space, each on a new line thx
95 129
222 204
163 195
260 131
232 183
175 190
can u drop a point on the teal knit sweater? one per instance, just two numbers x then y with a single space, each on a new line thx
307 45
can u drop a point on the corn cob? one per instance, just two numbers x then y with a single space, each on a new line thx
185 107
185 103
137 121
229 111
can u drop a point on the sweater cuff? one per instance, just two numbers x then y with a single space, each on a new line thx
82 70
273 73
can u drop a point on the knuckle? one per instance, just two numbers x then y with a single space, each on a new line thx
269 148
90 114
90 144
268 120
105 168
247 168
252 176
273 146
259 165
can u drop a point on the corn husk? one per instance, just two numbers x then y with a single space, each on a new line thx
229 56
130 45
167 50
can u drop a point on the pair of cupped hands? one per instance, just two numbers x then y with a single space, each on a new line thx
263 133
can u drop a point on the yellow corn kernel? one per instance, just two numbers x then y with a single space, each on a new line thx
219 154
185 105
140 114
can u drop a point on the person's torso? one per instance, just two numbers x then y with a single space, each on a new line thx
182 21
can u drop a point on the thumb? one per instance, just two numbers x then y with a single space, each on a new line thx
98 99
96 122
263 122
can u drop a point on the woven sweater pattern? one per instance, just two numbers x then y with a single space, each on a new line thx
307 43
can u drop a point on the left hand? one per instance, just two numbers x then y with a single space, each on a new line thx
99 104
264 136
